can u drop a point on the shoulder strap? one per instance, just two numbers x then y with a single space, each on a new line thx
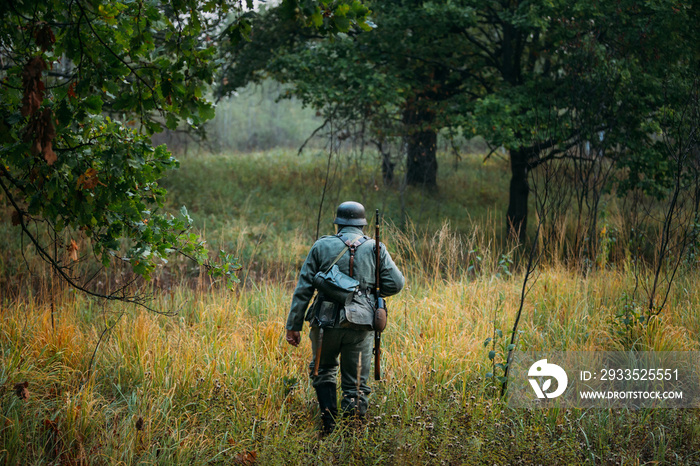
337 258
356 242
352 245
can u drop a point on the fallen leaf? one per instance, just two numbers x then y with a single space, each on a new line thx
246 458
21 390
49 424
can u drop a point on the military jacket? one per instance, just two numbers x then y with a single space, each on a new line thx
321 256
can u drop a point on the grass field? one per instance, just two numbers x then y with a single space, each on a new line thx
218 384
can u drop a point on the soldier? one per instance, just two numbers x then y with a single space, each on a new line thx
354 346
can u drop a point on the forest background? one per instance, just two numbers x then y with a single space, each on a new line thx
537 170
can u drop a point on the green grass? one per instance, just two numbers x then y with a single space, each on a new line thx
264 206
284 189
218 384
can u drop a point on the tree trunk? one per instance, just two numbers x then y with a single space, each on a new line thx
387 164
387 168
516 218
421 163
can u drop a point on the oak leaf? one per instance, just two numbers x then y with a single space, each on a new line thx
246 458
44 37
88 180
71 91
50 425
73 250
33 86
48 153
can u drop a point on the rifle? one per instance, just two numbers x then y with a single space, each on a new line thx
381 313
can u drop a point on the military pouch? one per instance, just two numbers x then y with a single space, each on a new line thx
324 313
359 312
335 285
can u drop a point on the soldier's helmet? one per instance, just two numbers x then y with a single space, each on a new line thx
350 213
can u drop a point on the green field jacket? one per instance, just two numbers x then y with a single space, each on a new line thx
321 256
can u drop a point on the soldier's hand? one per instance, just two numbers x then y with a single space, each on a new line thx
293 337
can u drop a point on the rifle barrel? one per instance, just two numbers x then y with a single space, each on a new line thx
377 289
378 252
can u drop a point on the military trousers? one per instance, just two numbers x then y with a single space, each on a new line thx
352 351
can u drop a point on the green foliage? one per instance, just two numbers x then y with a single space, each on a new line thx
372 76
251 209
630 322
504 265
499 346
289 23
84 87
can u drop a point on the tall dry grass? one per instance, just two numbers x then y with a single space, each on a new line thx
218 382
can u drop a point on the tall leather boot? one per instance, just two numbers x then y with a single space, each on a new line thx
328 403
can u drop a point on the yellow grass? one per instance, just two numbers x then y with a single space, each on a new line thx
218 381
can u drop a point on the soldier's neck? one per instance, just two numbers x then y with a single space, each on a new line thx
350 230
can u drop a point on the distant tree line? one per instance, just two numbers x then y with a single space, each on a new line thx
589 82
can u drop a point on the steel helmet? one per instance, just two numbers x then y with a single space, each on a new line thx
350 213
